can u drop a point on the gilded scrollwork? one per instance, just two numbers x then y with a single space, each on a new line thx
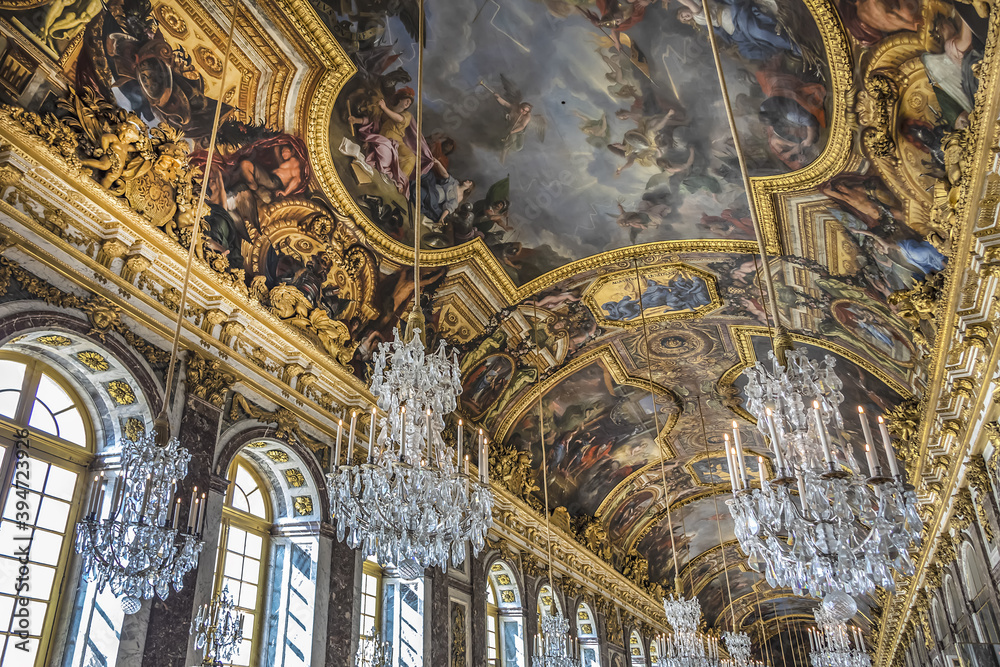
208 379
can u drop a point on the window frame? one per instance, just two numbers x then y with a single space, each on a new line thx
52 450
34 369
493 613
254 525
374 570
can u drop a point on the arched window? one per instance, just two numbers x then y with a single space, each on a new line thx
370 622
492 626
638 657
972 571
243 548
977 583
586 632
504 618
954 599
940 622
45 439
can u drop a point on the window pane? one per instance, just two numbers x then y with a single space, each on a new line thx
11 374
8 402
52 514
71 427
254 545
54 396
42 419
61 483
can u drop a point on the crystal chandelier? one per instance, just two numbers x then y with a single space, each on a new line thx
218 630
830 643
844 532
686 647
140 547
373 652
411 500
738 646
553 646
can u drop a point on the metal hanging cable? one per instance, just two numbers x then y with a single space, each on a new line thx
656 425
781 341
162 424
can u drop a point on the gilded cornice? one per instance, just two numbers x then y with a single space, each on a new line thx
80 231
970 272
517 525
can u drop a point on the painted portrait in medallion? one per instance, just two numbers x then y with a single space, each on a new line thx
668 292
556 130
486 382
874 330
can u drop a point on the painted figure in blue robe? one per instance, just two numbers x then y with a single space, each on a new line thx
755 34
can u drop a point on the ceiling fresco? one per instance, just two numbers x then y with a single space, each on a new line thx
589 247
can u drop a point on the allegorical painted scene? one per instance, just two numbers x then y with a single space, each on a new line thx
555 130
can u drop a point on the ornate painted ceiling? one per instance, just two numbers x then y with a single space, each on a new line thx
576 155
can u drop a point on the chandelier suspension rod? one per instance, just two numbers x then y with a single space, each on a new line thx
762 634
656 425
718 524
781 342
161 424
416 318
541 439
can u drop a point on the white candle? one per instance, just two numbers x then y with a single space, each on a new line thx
175 521
466 465
192 509
802 492
201 515
95 491
739 452
458 453
484 467
371 435
350 437
729 463
887 444
147 487
336 455
193 516
774 439
760 470
822 433
100 497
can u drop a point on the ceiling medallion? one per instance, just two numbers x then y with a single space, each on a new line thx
294 477
303 505
121 392
54 340
95 361
277 455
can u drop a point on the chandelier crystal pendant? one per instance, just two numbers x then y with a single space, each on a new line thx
373 651
411 500
830 643
686 647
218 630
553 645
844 532
140 547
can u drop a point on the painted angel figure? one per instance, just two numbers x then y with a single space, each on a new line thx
519 117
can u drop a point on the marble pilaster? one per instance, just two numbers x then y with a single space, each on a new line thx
438 606
170 620
477 635
344 592
324 603
205 579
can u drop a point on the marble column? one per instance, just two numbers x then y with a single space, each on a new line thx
477 636
341 615
324 602
170 620
436 604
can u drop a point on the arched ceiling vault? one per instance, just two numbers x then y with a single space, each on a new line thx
587 241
